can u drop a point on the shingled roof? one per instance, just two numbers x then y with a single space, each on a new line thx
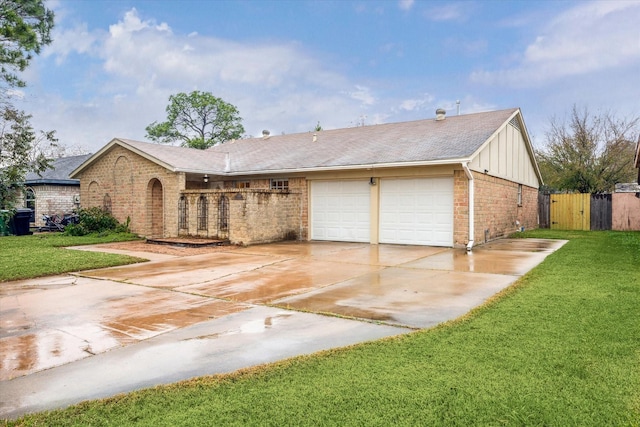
58 173
452 140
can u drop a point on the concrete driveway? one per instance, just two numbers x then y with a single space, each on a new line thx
94 334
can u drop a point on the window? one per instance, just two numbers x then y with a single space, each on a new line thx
30 203
243 184
279 184
223 213
183 213
519 194
202 212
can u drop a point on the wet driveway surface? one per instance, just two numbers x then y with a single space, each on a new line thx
94 334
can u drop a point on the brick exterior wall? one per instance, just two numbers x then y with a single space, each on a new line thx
460 208
53 199
254 215
497 213
126 179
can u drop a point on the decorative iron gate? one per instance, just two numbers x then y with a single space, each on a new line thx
223 217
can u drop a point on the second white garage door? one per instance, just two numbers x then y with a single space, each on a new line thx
417 211
340 211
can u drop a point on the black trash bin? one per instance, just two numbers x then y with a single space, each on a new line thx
19 224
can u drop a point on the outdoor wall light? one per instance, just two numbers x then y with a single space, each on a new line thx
372 181
206 179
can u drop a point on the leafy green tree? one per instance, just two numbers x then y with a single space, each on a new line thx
25 27
590 153
197 120
16 139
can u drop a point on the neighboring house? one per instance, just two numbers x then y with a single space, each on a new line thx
448 181
625 207
53 192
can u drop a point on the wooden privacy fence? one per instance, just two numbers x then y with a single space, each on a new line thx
601 210
575 211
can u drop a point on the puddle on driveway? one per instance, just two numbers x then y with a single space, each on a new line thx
279 280
480 261
30 285
48 328
526 245
383 255
300 249
256 326
402 296
183 271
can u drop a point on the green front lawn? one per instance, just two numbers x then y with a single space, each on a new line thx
559 348
23 257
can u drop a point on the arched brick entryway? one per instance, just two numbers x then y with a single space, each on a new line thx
155 208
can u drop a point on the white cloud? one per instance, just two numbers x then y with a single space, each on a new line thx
406 4
449 12
588 38
416 104
71 40
364 95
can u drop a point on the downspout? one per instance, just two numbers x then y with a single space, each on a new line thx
467 172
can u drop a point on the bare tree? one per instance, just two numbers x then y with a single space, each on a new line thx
590 153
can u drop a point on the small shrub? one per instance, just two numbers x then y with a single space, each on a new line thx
96 220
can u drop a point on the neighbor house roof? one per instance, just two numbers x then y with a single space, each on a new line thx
455 139
58 173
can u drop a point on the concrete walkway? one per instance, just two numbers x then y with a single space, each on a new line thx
70 338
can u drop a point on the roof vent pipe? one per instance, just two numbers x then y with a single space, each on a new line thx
265 133
440 114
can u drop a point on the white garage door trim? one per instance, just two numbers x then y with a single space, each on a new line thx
416 211
340 210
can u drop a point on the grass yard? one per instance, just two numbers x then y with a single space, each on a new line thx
23 257
559 348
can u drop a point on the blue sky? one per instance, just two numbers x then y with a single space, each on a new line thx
288 64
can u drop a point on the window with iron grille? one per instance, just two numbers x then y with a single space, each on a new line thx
223 213
183 213
202 212
279 184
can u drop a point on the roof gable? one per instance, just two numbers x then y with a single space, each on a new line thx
175 159
508 153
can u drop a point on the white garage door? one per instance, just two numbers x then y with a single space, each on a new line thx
340 211
416 211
